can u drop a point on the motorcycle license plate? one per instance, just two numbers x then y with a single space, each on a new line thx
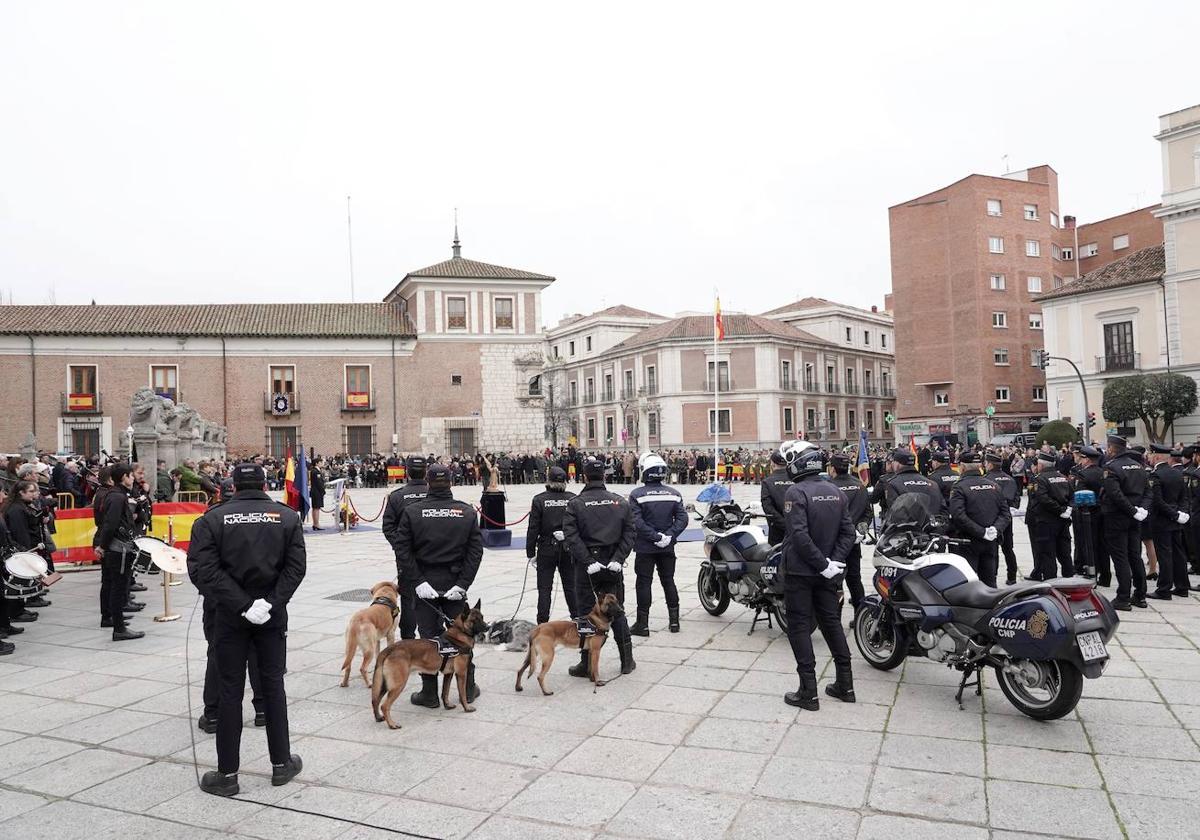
1092 646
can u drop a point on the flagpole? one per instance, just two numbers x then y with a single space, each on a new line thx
716 393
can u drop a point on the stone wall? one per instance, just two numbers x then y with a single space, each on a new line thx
512 420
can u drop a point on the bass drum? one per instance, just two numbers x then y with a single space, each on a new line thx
166 557
23 574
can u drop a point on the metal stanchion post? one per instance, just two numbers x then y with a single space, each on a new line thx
167 583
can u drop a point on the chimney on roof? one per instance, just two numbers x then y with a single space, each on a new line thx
874 308
456 247
1069 222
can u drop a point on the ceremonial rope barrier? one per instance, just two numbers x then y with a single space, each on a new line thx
495 524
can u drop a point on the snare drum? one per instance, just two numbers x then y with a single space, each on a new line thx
166 557
23 576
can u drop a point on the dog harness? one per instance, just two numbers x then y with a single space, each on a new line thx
389 603
586 630
447 648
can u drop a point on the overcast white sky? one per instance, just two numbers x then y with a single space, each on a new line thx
641 153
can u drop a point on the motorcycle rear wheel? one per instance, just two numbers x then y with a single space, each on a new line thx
713 592
1057 693
880 642
779 613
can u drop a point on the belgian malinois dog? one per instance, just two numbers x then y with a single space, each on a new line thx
368 626
553 634
398 660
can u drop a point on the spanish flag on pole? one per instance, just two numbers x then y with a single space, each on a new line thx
290 494
718 323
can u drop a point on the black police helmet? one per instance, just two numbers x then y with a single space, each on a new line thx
249 475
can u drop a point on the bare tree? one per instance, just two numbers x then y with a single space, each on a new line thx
555 407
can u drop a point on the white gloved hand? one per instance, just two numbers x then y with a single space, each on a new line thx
559 536
1183 518
593 568
426 592
615 567
455 593
259 612
990 533
1140 513
859 536
663 541
1066 514
832 569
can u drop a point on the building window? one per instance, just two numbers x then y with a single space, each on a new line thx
556 351
456 379
1035 285
589 390
1033 248
571 347
1089 250
1000 356
1035 320
997 282
358 386
1000 320
503 307
1118 346
849 380
1058 281
651 380
785 375
1055 251
283 439
996 244
1035 357
456 313
883 340
1053 219
1039 393
610 428
993 207
810 419
587 344
359 440
652 424
1121 242
164 381
608 388
1068 253
722 376
627 388
870 420
1031 212
832 420
788 422
591 427
81 384
941 398
887 424
726 420
866 338
573 391
851 420
849 334
283 379
1002 394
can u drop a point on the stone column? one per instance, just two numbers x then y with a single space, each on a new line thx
146 442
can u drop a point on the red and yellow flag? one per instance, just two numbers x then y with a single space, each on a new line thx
912 444
290 495
718 322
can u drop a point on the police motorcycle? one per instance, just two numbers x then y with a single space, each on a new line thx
1042 638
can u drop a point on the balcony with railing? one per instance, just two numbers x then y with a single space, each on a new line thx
1118 361
852 389
832 388
609 394
629 394
73 404
648 391
281 403
726 384
358 400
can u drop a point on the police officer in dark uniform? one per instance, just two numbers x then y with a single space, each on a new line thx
114 546
774 488
438 550
659 518
1088 475
544 538
942 474
860 517
980 514
904 478
1012 495
1168 499
414 491
820 535
599 532
1123 503
1048 517
1191 476
248 555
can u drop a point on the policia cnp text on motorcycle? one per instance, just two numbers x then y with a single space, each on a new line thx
413 491
980 514
115 530
248 554
544 543
659 518
599 532
438 550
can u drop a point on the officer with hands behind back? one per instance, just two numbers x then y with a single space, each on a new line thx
659 517
248 554
545 546
1012 495
1123 502
1168 511
413 491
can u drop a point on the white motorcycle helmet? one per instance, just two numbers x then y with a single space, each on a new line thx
653 467
801 458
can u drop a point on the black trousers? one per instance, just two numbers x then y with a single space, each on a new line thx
408 612
644 566
854 576
1172 562
1124 540
115 570
1012 571
551 559
233 639
212 680
775 533
590 587
809 600
1192 540
429 624
984 557
1051 544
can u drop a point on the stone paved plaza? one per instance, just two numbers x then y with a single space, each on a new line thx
95 737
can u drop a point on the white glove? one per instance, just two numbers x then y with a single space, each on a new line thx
615 567
990 533
593 568
1140 513
663 541
1183 518
259 612
455 593
533 561
1066 514
426 592
859 537
559 536
832 569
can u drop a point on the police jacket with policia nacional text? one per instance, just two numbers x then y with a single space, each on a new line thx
976 504
397 501
1049 496
438 542
598 526
114 522
657 509
856 497
774 488
817 517
1125 486
247 548
545 517
908 480
1168 496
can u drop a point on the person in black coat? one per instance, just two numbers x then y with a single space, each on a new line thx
1168 511
316 493
980 514
7 608
544 543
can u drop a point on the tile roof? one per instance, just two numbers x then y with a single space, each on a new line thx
623 311
701 326
276 320
1145 266
475 270
811 303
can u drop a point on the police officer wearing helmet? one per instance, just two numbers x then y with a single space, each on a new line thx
438 548
1012 495
1168 510
980 514
860 516
774 488
599 532
659 518
1123 500
942 474
248 555
413 491
819 537
904 478
1048 518
545 537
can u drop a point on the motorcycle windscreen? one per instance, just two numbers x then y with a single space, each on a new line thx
908 513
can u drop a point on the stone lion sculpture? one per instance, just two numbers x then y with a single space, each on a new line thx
148 411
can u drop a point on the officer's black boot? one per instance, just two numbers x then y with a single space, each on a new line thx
472 689
672 619
428 695
842 688
220 784
806 696
620 631
641 627
580 670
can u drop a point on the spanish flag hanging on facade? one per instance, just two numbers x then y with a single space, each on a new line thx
718 322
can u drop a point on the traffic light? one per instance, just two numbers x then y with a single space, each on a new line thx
1043 359
1079 428
1091 419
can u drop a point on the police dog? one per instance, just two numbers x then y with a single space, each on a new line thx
368 626
399 659
553 634
508 634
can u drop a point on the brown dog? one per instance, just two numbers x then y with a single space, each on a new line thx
398 660
546 637
368 626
